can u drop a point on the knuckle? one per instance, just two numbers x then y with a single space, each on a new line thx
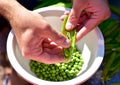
46 26
25 53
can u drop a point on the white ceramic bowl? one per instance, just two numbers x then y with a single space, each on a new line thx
91 46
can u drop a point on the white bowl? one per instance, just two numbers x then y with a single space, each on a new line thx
91 46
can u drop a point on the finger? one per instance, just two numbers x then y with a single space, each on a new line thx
58 49
90 24
82 20
55 50
72 20
84 16
49 58
78 6
62 17
66 13
96 17
57 37
47 40
47 45
50 45
78 27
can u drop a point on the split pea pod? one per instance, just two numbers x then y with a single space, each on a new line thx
70 35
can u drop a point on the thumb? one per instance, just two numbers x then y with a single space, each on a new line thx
78 6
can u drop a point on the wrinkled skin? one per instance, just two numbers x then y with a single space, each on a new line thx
37 39
96 11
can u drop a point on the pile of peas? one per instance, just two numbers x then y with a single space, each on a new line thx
60 71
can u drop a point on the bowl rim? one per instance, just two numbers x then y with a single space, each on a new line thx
19 69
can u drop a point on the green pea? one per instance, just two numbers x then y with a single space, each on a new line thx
58 71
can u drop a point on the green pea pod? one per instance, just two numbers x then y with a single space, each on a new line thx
115 66
111 32
73 39
111 24
63 26
72 36
117 40
65 51
117 49
114 84
111 46
107 66
107 40
118 35
113 28
115 9
115 33
105 24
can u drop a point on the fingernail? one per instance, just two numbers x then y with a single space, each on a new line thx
69 26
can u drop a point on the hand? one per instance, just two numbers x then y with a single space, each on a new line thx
37 40
95 11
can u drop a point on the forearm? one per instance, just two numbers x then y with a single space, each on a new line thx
10 8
